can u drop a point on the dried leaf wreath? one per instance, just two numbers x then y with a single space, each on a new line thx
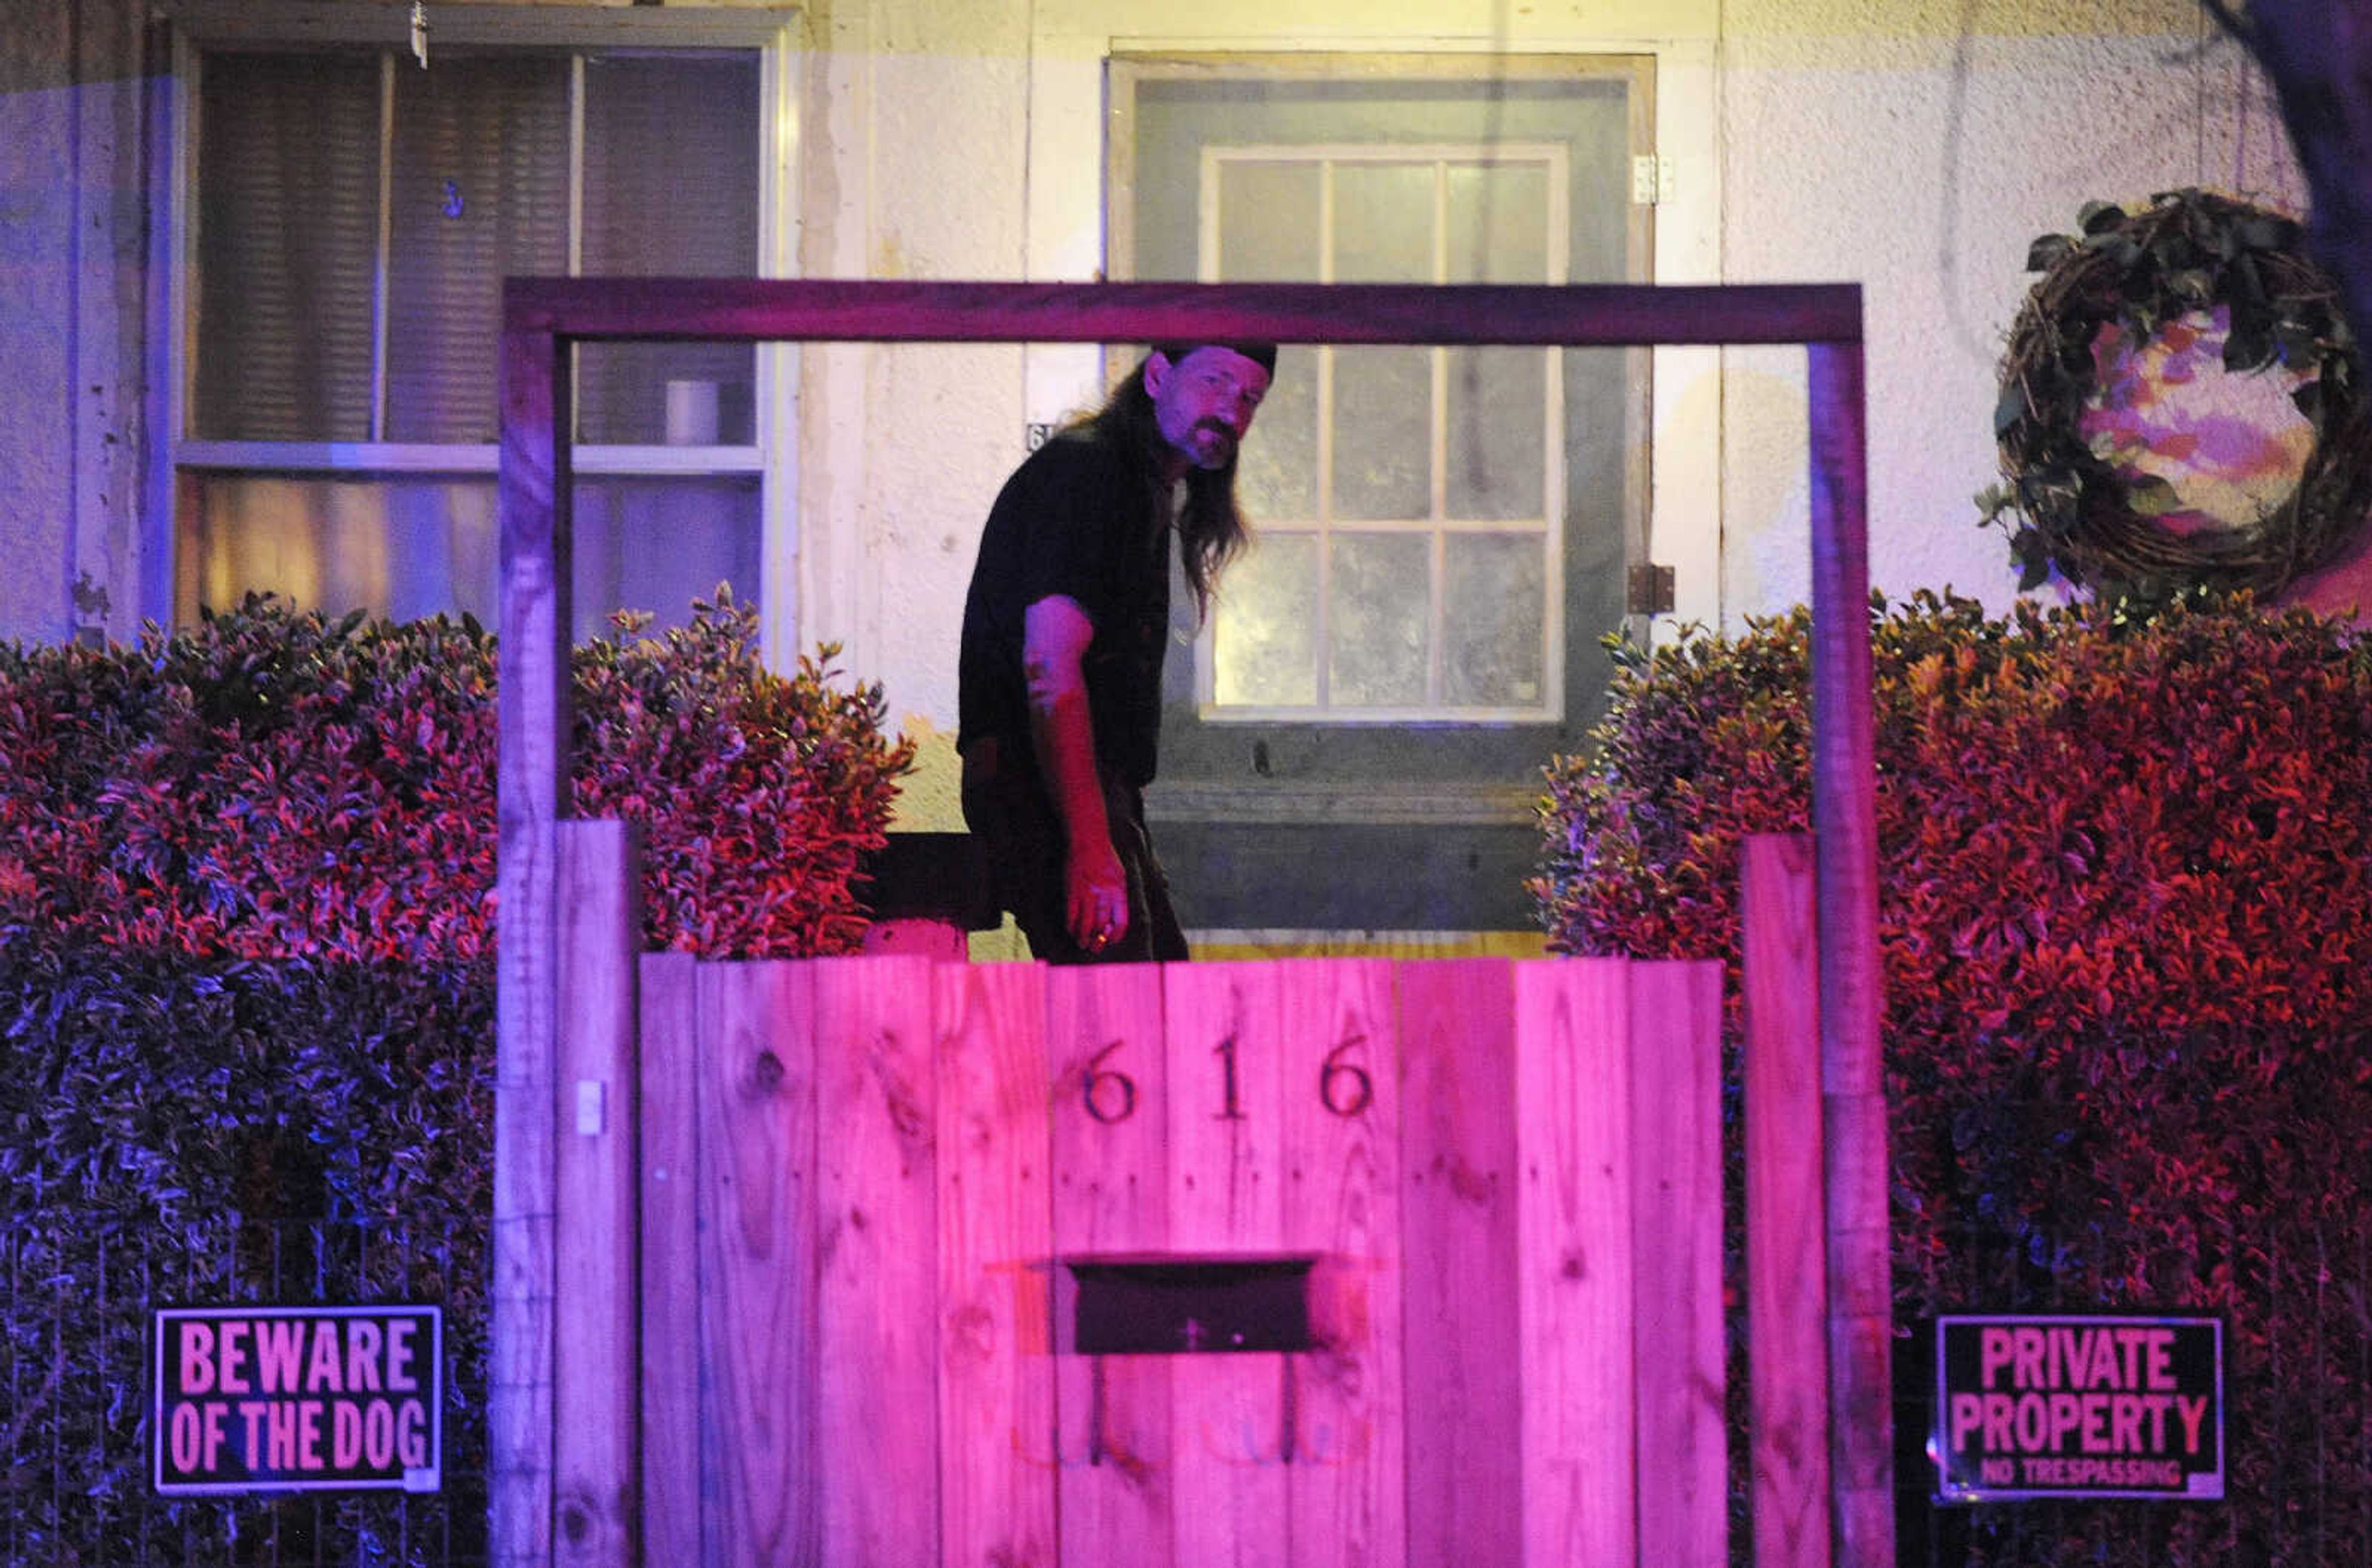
2189 251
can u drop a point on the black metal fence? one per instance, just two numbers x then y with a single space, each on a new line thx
2295 1293
77 1291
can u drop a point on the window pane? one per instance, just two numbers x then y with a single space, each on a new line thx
1497 445
671 191
1383 433
1498 223
1278 477
1264 637
287 197
1379 599
1268 221
408 548
1491 615
658 544
480 193
1383 222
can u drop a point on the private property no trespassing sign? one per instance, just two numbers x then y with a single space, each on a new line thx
2030 1406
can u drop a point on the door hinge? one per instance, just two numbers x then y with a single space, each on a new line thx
1652 590
1651 180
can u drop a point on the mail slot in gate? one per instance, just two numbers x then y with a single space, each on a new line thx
1165 1305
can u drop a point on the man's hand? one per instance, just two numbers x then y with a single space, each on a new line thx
1096 890
1055 637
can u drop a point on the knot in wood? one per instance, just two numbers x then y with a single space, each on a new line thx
766 1072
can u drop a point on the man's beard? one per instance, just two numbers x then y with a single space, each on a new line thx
1221 448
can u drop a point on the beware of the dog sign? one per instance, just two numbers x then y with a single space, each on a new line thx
271 1399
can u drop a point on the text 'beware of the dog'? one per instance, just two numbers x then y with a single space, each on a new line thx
255 1398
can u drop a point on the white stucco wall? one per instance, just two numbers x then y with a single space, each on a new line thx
37 199
72 319
1915 145
1873 141
73 233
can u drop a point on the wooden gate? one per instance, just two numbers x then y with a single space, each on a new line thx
821 1282
1300 1262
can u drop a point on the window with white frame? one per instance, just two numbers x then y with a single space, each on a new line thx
345 217
1410 500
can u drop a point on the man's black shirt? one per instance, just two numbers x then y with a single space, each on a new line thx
1080 519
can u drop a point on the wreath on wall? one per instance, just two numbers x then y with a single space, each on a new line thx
2188 254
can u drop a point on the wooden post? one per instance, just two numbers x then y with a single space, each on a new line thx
1346 1488
1844 823
1787 1258
1109 1060
1227 1194
531 791
596 1360
878 1271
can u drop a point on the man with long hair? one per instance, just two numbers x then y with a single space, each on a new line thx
1063 633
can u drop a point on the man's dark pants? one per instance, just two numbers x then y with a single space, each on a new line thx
1009 811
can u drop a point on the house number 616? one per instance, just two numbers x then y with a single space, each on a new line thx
1343 1087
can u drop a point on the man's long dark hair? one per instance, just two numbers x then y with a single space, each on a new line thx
1210 526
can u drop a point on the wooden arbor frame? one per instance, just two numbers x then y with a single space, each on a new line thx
542 318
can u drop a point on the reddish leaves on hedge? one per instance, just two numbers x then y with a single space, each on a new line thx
2081 822
271 783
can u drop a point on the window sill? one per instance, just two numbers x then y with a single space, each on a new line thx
1281 805
392 457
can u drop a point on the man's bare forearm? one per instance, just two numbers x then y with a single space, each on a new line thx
1064 743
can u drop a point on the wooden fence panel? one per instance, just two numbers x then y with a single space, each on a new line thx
877 1413
1346 1492
1106 1042
1573 1144
1458 1156
1227 1148
671 1269
1683 1480
996 1217
760 1491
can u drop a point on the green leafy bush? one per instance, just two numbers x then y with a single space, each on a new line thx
2125 909
247 990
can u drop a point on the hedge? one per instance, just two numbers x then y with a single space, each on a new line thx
2126 910
272 783
246 990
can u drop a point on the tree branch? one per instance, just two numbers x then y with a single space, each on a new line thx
2319 55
